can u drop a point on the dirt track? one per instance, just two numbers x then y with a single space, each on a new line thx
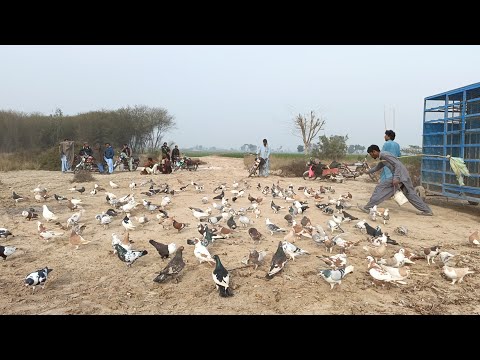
92 280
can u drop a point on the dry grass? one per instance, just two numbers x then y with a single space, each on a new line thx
82 176
18 161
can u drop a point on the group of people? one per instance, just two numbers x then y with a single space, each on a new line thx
164 166
97 154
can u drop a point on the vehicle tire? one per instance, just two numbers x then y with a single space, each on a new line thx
420 190
473 203
306 177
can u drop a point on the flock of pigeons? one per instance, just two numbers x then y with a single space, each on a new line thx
225 218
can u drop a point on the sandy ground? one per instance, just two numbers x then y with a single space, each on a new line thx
92 280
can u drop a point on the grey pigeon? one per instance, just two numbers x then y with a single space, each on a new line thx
173 268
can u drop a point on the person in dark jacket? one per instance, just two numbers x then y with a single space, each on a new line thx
108 154
85 150
175 154
165 151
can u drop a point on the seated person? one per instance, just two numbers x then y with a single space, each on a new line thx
86 150
150 167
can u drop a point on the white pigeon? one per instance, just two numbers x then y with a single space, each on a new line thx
380 274
48 215
93 192
293 250
104 219
75 218
142 220
396 261
75 201
116 240
333 226
128 224
245 221
445 257
201 252
456 274
132 185
165 201
113 185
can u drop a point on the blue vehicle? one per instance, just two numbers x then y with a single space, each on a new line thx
451 126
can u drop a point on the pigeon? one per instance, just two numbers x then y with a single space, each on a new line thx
163 250
178 225
231 223
396 261
132 185
289 219
125 242
77 240
333 226
173 268
81 190
397 273
47 234
335 276
98 188
373 231
279 260
127 223
254 234
385 216
225 231
111 212
103 219
220 196
5 233
48 215
18 198
113 185
445 257
305 221
245 221
38 277
75 218
335 261
276 208
200 251
376 251
382 275
272 227
348 216
431 253
474 238
401 230
142 220
456 274
293 250
256 258
129 256
221 278
6 251
204 200
59 197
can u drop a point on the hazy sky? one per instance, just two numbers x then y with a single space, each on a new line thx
226 96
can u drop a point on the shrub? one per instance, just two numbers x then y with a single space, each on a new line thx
82 176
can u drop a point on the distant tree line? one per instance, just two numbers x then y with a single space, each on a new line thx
140 126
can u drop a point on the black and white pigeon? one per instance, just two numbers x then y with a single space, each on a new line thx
348 216
128 256
173 268
279 260
29 215
272 227
6 251
163 250
38 277
431 253
231 223
111 212
59 197
221 278
276 208
220 196
17 197
5 233
373 231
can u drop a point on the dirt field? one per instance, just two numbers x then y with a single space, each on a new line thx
92 280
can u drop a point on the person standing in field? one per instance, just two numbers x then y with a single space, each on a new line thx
126 152
393 148
109 153
264 153
66 154
400 180
98 156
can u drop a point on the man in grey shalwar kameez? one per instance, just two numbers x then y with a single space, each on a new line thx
401 179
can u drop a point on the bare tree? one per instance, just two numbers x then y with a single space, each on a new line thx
307 128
